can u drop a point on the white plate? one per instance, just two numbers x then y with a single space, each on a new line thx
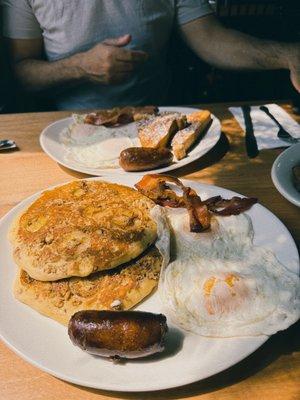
52 145
282 173
188 357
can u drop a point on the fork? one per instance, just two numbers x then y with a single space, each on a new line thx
282 133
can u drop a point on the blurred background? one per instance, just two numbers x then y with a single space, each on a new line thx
193 80
268 19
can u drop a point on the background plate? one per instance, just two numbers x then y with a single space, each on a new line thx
282 173
51 144
188 357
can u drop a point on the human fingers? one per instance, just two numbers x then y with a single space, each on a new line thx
133 56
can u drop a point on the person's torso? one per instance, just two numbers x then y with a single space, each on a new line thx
72 26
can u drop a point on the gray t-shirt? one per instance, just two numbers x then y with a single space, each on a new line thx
71 26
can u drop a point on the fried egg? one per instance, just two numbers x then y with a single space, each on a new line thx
97 146
221 285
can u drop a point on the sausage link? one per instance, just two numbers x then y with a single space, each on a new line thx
143 158
118 334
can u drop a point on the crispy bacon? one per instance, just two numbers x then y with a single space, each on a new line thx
103 117
233 206
212 201
198 212
118 116
155 187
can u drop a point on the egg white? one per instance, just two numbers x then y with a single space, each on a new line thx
221 285
97 146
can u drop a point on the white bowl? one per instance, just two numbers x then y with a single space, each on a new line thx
282 173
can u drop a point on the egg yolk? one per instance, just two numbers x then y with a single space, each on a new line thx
223 295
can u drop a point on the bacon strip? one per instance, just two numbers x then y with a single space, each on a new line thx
155 187
118 116
198 212
233 206
212 201
103 117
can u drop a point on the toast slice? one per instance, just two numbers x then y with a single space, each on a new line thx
202 116
157 132
185 138
180 118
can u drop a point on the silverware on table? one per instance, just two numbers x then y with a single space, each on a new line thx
7 144
250 140
282 133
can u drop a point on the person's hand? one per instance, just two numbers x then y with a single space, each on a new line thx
109 62
294 66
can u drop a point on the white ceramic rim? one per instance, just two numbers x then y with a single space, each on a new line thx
274 175
106 173
26 357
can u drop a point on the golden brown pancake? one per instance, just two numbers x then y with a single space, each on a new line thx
120 288
80 228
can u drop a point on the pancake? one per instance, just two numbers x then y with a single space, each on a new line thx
118 289
81 228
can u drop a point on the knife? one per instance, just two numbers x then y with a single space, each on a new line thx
250 140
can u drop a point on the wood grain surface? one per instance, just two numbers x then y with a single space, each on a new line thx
271 373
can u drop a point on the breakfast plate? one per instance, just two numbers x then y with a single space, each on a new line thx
282 173
187 357
53 143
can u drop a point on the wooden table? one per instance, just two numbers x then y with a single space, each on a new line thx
271 373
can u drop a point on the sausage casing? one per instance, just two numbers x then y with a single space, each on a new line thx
118 334
143 158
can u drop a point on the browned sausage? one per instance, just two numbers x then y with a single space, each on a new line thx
143 158
118 334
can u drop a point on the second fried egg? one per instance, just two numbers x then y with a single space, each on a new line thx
221 285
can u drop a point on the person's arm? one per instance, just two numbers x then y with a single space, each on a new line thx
107 63
230 49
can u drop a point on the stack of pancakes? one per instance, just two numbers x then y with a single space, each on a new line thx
85 245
